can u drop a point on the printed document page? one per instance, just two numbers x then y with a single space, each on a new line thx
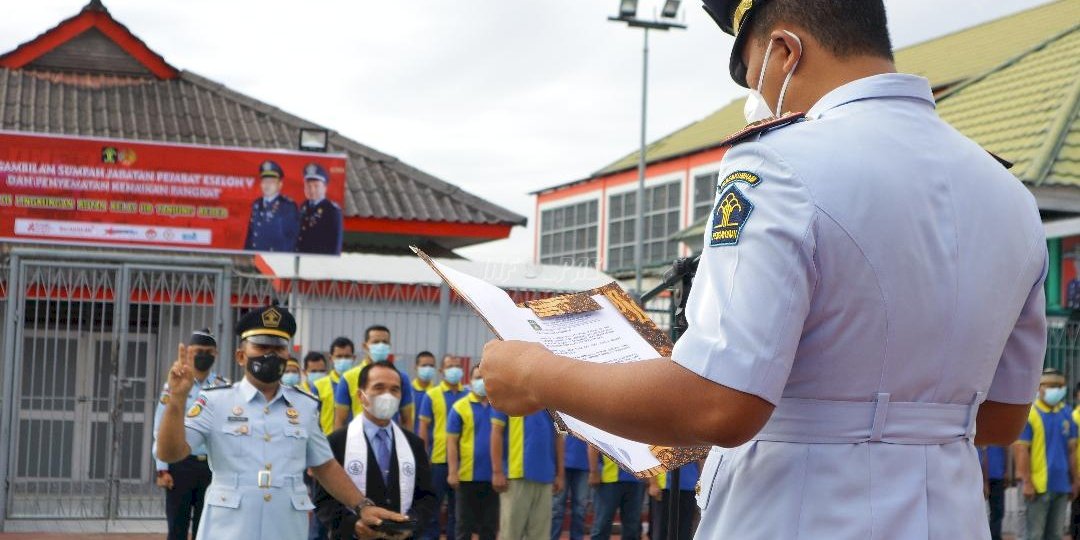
602 335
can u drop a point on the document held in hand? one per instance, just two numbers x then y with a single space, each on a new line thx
600 325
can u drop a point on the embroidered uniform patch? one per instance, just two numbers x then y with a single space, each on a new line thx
732 209
731 212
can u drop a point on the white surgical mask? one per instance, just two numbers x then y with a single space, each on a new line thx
384 406
756 109
1054 395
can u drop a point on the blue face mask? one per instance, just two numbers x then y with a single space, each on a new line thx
314 376
379 352
290 379
425 373
1053 396
341 365
478 387
453 375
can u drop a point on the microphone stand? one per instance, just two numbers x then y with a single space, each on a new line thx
678 279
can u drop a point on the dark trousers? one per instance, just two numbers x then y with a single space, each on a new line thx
1074 522
439 473
658 515
626 498
316 529
477 511
184 502
997 508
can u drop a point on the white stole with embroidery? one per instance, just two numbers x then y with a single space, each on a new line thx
356 455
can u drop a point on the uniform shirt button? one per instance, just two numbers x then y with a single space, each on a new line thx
266 437
268 466
266 497
266 410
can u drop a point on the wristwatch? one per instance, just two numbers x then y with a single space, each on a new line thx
366 502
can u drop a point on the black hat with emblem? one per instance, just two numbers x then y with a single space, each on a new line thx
270 169
271 325
733 16
314 171
202 337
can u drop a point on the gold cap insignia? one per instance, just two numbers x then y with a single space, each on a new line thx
271 318
740 13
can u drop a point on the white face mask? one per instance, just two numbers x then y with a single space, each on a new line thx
384 406
756 109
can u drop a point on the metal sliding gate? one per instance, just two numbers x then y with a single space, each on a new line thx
91 340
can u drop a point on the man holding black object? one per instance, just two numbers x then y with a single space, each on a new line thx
840 349
383 461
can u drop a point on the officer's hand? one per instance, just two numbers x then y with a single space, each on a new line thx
506 367
499 482
164 480
181 375
560 482
594 478
453 480
1029 491
373 516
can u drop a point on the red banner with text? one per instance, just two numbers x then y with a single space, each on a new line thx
75 190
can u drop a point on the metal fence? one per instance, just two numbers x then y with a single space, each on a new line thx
89 336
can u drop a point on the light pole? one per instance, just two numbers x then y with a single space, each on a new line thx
628 14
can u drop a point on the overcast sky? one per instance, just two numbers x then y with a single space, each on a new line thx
500 97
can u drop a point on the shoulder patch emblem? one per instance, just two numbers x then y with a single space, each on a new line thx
732 209
194 411
164 399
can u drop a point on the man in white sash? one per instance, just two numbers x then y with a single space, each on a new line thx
385 462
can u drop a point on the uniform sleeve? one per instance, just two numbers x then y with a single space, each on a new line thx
453 422
341 393
425 410
755 278
198 421
1016 380
499 418
158 411
1026 435
318 449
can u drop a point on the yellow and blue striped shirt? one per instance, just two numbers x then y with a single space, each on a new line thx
529 447
470 420
435 409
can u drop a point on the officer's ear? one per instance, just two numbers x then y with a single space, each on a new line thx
239 355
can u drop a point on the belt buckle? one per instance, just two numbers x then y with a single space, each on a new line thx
201 458
264 479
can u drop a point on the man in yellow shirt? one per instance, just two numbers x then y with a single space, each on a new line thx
433 415
376 349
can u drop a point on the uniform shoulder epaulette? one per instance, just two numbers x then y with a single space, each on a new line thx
304 393
220 381
222 387
762 127
1004 162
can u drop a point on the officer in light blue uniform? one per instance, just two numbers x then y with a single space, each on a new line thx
186 481
320 218
260 436
875 276
275 221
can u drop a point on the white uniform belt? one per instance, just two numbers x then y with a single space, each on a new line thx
845 422
261 479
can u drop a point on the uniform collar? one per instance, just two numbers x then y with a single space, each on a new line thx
447 387
473 398
885 85
1046 408
248 391
271 199
417 384
316 203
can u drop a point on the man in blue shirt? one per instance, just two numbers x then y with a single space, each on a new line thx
1045 455
993 459
575 490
